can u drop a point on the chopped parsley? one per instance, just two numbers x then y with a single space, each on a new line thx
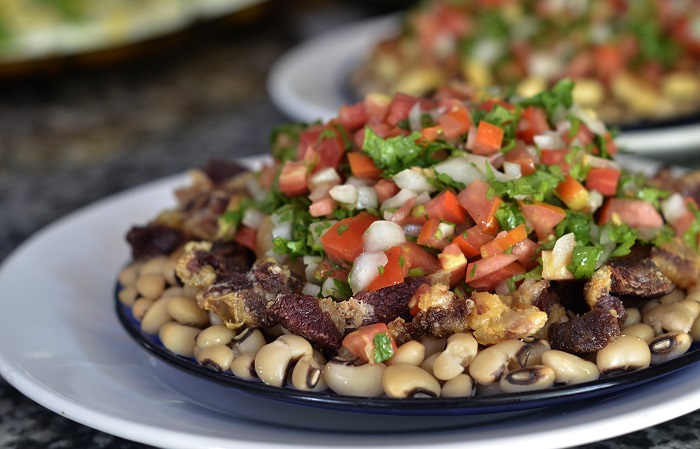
383 347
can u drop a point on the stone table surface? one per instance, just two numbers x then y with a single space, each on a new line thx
72 134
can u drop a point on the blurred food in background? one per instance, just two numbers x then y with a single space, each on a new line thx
34 30
633 61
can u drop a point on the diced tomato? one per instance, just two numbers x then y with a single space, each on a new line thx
431 133
603 180
455 122
385 188
503 241
489 139
363 166
394 272
526 250
294 178
414 302
352 117
376 107
360 342
454 262
583 134
247 237
491 103
400 107
267 176
446 207
483 267
475 199
572 193
340 242
610 144
521 156
609 61
418 258
322 207
431 236
533 122
326 141
542 217
471 240
556 157
329 269
632 212
489 281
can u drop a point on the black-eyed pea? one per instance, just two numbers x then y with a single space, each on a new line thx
669 346
129 274
169 272
215 335
570 369
459 352
693 293
153 265
128 295
345 376
190 291
173 291
150 285
178 338
527 378
537 348
216 357
140 306
247 341
634 316
676 295
648 305
624 354
410 353
433 345
273 361
492 362
409 381
461 386
669 317
243 366
307 375
185 311
429 362
156 316
693 305
641 330
695 330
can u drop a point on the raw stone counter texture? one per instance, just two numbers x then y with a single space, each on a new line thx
75 136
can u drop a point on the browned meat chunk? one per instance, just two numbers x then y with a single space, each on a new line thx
678 262
153 240
640 278
302 315
497 317
204 263
584 334
391 302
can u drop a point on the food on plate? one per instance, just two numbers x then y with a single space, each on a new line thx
425 247
633 61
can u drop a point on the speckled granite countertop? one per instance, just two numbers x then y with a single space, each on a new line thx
69 139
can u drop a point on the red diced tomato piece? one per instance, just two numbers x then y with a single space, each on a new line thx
394 272
446 207
489 139
454 262
603 180
294 178
526 250
418 257
352 117
360 342
327 142
572 193
489 281
362 165
521 156
431 133
475 199
431 236
471 240
483 267
376 107
342 240
385 188
542 217
556 157
321 208
533 122
400 107
503 241
632 212
247 237
455 122
328 269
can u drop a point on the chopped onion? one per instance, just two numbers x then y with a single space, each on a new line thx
326 175
599 162
310 266
366 198
399 199
459 169
673 207
382 235
595 125
512 169
344 193
446 230
483 164
550 140
412 230
281 228
595 200
414 117
365 269
253 218
413 179
311 289
554 262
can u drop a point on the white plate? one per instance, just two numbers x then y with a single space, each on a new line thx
63 347
310 83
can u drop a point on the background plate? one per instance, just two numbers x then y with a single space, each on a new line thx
310 82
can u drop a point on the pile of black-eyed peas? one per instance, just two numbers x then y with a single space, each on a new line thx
457 366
